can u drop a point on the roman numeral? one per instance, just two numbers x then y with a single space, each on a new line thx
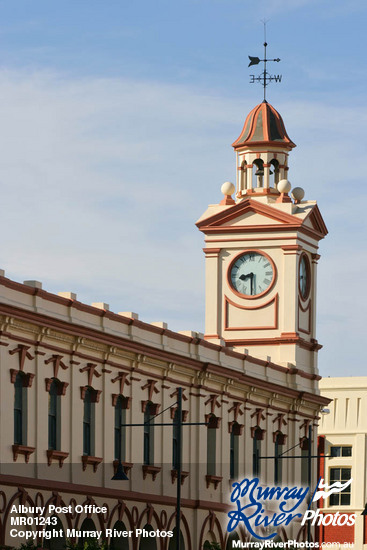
266 282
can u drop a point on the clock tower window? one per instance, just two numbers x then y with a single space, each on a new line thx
258 175
274 173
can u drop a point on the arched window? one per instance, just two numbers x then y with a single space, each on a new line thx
233 451
243 176
274 173
211 445
256 453
148 434
148 543
172 541
119 542
54 405
278 462
258 173
20 411
210 543
231 539
87 525
55 543
88 423
120 429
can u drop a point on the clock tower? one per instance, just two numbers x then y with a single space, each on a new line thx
261 252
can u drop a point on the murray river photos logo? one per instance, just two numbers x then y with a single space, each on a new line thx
263 509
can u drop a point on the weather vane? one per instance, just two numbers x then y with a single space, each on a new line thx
265 78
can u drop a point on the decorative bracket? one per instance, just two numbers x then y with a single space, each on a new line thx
150 385
215 480
56 361
56 455
22 450
184 475
122 378
153 470
93 460
91 368
23 354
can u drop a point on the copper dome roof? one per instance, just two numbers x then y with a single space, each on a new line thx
264 126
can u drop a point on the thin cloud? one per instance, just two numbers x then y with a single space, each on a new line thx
103 179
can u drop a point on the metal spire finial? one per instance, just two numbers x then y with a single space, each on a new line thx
264 77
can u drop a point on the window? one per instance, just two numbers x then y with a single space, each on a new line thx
172 541
231 539
87 525
88 423
256 452
343 475
341 451
175 457
20 411
304 462
55 542
120 429
275 171
278 462
54 404
211 445
116 542
258 174
149 542
233 451
148 435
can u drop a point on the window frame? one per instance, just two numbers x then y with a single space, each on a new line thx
211 445
234 445
256 452
175 428
336 498
119 429
54 417
148 437
278 462
341 447
88 422
20 410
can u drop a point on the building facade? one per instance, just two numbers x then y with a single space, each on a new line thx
74 376
342 441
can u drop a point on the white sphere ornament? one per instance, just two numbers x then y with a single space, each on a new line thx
227 188
298 193
284 186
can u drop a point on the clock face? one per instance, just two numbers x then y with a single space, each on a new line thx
304 276
252 273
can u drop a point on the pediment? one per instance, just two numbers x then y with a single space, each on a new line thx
315 221
252 215
248 213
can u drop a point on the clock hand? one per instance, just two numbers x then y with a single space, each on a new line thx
244 277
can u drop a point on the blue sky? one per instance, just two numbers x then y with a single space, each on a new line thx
117 120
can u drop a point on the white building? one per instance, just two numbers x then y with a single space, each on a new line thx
343 439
